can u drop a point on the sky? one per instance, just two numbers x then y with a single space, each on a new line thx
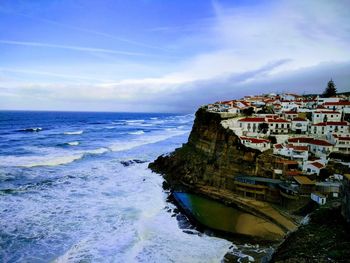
167 55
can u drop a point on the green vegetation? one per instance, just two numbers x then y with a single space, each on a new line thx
330 91
248 111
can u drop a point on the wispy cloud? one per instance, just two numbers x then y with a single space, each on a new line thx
76 48
89 31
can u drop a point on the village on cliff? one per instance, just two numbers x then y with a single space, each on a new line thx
308 137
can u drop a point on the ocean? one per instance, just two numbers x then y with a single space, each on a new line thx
75 187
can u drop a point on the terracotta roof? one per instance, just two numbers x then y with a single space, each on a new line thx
337 103
300 140
334 123
278 120
320 142
299 119
317 164
254 140
303 180
278 146
300 148
252 119
343 138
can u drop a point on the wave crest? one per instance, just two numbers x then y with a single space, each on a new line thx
73 133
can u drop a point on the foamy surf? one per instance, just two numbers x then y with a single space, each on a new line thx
123 146
73 132
73 143
137 132
36 129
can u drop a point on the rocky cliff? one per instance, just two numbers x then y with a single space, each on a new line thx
208 163
212 156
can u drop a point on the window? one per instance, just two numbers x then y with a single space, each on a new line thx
282 125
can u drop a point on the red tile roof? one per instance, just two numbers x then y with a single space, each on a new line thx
278 146
300 148
339 103
320 142
334 123
300 140
278 120
318 165
252 119
299 119
255 140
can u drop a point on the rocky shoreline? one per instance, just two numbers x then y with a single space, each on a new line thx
207 164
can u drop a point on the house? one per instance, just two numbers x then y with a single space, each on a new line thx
290 115
298 153
321 101
325 116
256 143
324 128
318 198
338 106
287 105
301 141
234 109
250 124
313 167
300 125
278 126
320 148
341 143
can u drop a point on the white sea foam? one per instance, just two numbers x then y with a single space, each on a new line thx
73 143
137 132
127 145
73 133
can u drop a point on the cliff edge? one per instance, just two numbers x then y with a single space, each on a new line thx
208 163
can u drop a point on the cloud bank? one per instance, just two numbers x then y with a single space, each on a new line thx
272 46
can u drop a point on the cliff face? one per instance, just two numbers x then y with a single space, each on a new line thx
212 156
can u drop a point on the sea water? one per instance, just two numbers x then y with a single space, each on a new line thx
75 187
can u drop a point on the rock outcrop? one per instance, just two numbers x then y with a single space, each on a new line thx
209 161
212 156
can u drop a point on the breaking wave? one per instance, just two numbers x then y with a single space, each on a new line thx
137 132
73 133
36 129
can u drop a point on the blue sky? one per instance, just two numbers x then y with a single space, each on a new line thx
169 56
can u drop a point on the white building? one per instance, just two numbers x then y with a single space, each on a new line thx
325 116
300 125
320 148
341 142
313 167
338 106
278 126
321 101
250 124
290 115
288 105
324 128
298 153
318 198
256 143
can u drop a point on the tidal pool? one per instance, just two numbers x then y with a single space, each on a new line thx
217 216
